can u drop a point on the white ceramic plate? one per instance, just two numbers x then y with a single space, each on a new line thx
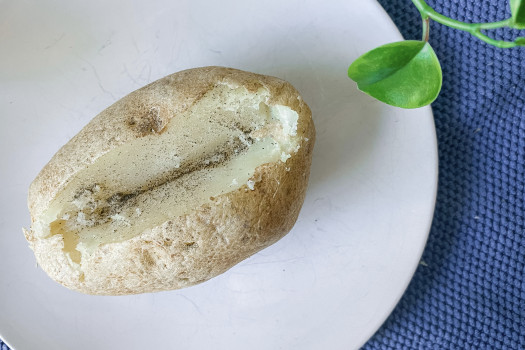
330 283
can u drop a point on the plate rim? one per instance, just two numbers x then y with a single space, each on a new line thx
433 199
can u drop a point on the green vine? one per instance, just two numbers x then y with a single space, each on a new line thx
475 29
407 74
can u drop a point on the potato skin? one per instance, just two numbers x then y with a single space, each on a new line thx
188 249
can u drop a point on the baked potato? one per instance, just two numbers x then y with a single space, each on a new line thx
173 184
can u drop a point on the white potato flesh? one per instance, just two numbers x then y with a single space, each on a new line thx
210 149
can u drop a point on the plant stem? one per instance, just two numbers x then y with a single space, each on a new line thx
426 28
472 28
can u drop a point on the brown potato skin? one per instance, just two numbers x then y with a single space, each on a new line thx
188 249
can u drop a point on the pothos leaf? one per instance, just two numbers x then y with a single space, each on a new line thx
404 74
517 8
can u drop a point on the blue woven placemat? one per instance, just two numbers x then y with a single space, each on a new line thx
470 293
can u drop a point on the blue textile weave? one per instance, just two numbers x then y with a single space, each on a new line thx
470 293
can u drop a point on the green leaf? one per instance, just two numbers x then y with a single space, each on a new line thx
517 8
520 41
404 74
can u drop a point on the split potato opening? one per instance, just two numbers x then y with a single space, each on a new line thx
210 149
